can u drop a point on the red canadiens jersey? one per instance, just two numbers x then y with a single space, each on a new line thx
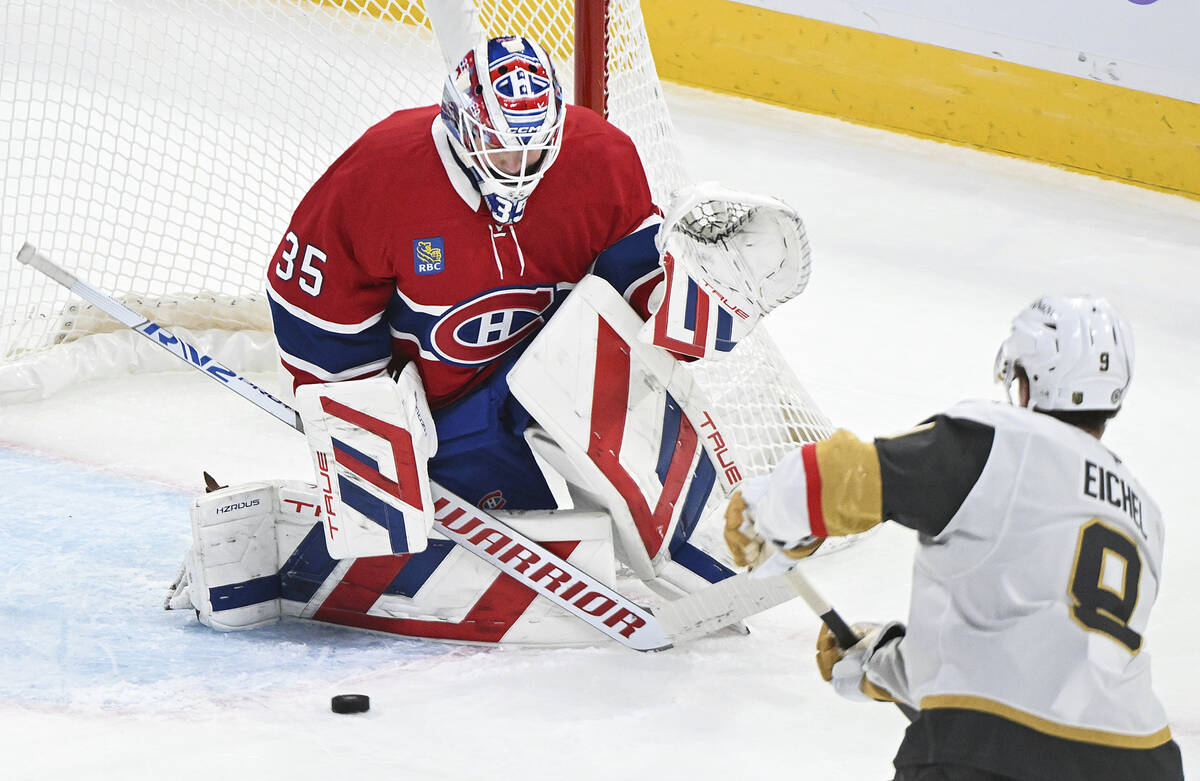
392 256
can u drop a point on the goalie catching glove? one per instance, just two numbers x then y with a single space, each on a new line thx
730 258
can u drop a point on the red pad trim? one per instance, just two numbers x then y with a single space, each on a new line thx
487 621
610 398
695 348
408 489
812 477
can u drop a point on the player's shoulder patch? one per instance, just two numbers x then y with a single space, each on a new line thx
429 255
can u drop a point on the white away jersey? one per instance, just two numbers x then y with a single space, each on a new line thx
1032 602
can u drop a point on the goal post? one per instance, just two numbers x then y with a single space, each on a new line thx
158 148
591 33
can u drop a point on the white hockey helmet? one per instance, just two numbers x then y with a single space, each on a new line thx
503 101
1076 351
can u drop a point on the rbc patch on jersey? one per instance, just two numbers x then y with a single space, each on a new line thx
429 255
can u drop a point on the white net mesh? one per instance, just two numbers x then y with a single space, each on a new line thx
157 148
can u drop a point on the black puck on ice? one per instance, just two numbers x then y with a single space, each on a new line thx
350 703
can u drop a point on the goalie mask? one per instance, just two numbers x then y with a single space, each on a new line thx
504 112
1077 353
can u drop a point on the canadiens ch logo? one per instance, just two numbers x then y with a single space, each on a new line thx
481 329
494 500
429 255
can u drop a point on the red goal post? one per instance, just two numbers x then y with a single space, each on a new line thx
157 149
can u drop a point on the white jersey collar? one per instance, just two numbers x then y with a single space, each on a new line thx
459 180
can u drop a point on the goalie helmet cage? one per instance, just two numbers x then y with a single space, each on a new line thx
158 148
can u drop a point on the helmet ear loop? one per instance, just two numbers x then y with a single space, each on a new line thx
1009 377
1018 375
1005 371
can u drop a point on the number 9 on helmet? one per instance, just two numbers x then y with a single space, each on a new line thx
504 112
1077 353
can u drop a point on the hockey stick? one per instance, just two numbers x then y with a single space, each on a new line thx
803 588
526 561
783 566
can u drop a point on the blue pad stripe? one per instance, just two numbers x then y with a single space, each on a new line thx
363 457
724 341
692 558
689 310
419 569
698 492
307 568
248 592
683 552
377 510
672 418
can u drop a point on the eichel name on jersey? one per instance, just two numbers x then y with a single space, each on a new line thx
1039 562
1107 486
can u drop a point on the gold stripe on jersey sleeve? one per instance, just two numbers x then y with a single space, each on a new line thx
851 488
1099 737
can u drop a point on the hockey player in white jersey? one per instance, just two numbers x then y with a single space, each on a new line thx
1039 561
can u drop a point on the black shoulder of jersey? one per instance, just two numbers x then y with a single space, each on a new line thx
927 473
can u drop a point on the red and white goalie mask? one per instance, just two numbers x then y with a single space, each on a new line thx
504 112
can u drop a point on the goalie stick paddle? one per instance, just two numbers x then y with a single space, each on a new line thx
549 576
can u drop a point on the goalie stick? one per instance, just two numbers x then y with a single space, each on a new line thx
549 576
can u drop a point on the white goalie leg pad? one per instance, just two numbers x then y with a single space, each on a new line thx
241 538
371 441
730 258
258 557
229 576
462 598
625 426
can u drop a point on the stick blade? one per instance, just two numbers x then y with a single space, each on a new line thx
723 603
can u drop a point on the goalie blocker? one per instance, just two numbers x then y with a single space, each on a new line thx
371 441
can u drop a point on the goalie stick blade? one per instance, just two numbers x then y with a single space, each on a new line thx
723 603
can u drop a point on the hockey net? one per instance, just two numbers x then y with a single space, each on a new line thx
158 148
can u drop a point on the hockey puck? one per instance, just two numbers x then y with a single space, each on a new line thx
350 703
